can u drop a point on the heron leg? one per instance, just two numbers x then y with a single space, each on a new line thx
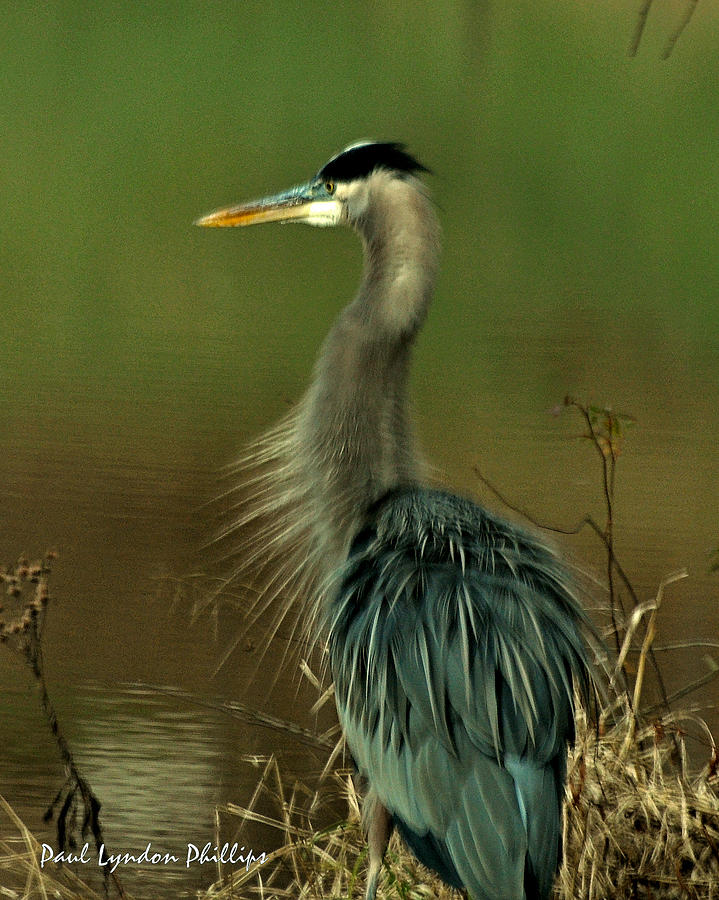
378 828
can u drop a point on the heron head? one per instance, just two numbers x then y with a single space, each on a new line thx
338 194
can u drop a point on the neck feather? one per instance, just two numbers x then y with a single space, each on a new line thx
354 426
304 487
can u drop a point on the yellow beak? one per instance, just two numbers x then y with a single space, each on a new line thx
295 205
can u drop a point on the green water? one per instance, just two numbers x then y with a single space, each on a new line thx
577 191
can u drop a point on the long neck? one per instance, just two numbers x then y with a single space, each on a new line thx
354 426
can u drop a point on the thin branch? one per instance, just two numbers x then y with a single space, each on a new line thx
244 713
687 689
606 452
689 10
556 529
674 37
604 431
687 645
24 634
639 29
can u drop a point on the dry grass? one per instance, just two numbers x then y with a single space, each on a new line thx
20 874
634 827
312 861
636 824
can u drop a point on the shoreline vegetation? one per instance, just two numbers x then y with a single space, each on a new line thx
638 822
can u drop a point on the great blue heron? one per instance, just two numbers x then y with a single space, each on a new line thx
455 637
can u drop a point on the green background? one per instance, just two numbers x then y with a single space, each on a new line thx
577 190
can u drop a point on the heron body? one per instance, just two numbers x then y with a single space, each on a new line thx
455 638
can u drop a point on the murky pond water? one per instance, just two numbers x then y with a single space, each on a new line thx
159 764
577 191
119 634
158 768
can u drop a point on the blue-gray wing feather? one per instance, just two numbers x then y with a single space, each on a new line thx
455 643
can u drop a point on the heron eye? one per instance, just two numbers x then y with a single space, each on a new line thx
330 187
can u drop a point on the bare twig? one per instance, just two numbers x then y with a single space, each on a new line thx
23 632
689 11
640 26
605 439
245 714
605 431
688 688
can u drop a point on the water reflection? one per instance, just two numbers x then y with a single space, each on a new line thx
155 767
158 769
